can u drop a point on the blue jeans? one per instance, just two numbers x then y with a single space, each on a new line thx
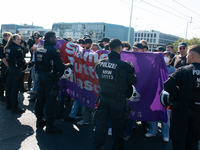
75 108
153 126
34 77
129 126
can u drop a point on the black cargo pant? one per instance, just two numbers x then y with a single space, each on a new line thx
184 129
43 97
3 81
116 109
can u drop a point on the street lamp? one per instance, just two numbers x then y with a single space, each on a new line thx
129 31
187 29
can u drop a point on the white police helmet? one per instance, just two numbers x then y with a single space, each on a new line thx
164 98
135 96
66 73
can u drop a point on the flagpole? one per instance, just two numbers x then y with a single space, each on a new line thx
130 22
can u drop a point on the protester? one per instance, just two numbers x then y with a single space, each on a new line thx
170 49
184 127
16 62
88 43
127 46
180 60
145 48
112 101
144 42
4 65
95 47
81 42
153 126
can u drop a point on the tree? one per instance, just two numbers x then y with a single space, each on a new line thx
190 42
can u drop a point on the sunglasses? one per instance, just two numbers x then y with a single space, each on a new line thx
182 48
36 37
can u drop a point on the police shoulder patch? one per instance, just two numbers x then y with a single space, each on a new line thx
129 63
19 49
58 51
1 45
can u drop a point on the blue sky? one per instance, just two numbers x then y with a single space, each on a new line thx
162 15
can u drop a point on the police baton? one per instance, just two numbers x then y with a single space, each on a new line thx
98 98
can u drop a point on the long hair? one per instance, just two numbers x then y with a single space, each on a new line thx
10 40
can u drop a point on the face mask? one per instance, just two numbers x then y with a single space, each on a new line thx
166 59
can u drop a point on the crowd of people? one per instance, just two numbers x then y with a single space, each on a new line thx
47 67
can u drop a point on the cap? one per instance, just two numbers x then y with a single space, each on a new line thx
38 35
87 40
167 52
160 48
81 41
182 44
145 46
138 45
105 39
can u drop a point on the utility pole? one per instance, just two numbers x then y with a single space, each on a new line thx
187 29
129 31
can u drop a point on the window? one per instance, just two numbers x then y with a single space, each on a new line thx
135 34
135 39
154 35
154 40
148 35
151 34
141 34
138 39
150 40
145 35
138 34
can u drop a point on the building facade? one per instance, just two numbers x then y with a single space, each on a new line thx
155 38
96 31
26 30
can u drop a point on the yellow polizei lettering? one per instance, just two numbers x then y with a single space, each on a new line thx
57 51
19 49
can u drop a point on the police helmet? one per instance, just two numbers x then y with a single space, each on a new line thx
164 98
134 95
67 73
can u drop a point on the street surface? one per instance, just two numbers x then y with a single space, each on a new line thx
18 131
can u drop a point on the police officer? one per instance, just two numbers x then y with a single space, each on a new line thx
50 68
16 62
115 77
4 65
186 107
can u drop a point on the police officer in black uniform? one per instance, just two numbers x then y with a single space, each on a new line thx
115 77
16 62
186 106
50 68
4 65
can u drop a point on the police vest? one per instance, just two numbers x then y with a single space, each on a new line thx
10 58
43 64
110 78
191 92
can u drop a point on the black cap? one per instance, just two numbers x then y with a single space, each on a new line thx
182 44
138 45
167 52
81 41
160 48
87 40
105 39
38 35
145 46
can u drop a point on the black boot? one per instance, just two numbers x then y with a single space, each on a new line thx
40 123
53 129
16 109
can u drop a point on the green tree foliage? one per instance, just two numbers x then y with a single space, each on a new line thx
190 42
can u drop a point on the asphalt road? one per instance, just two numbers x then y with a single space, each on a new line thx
18 131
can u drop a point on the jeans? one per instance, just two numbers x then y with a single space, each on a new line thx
75 108
129 126
153 126
34 76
